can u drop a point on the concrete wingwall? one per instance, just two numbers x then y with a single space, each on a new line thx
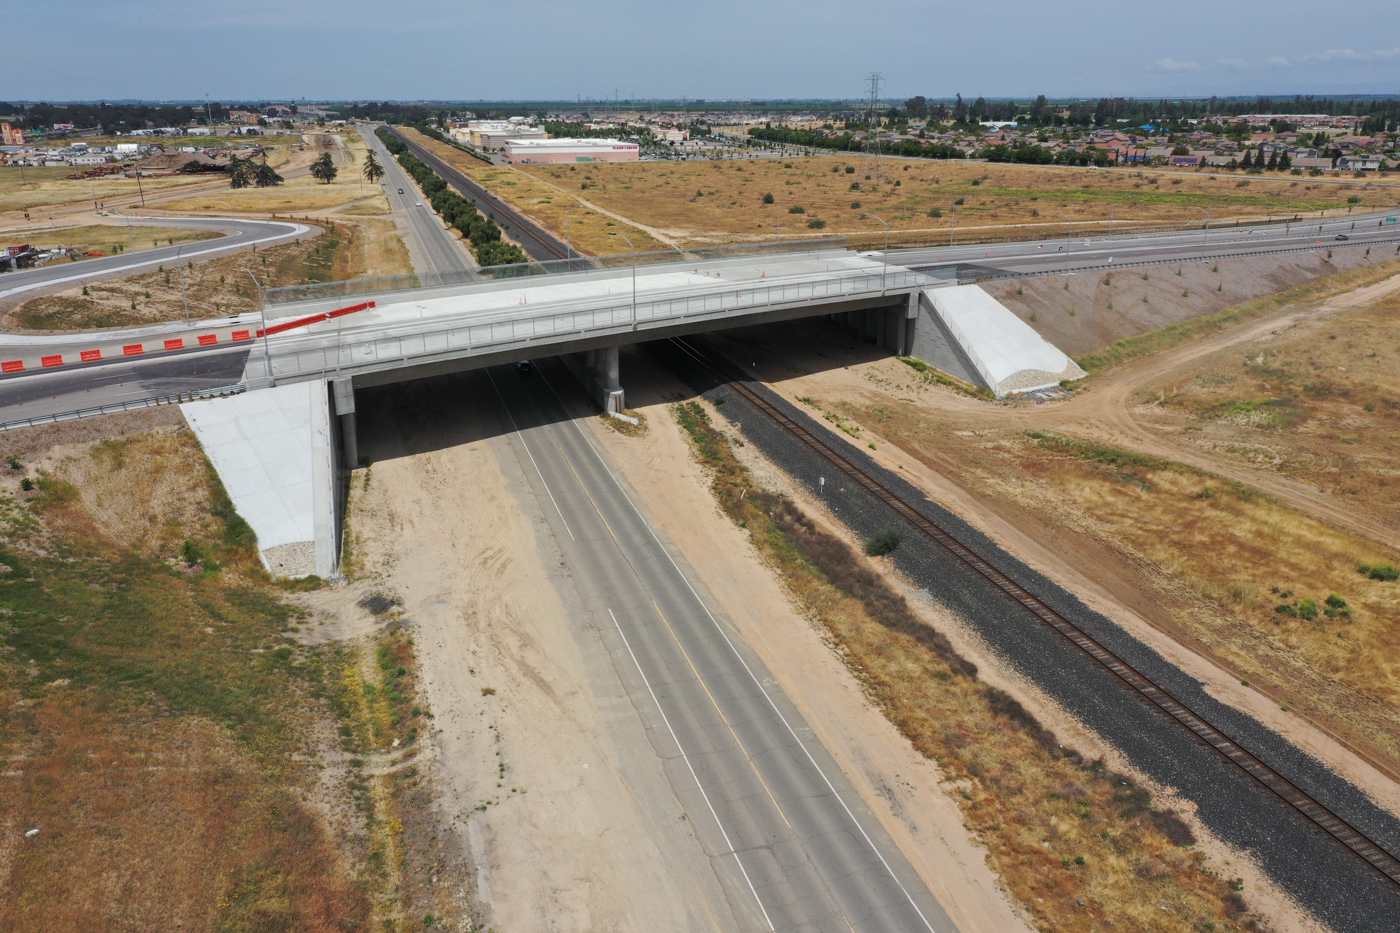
937 345
967 333
275 453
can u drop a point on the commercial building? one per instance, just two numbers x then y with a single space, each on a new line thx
494 134
10 136
525 151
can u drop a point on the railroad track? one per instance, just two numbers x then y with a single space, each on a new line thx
1284 790
537 244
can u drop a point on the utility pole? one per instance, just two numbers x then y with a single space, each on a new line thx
870 162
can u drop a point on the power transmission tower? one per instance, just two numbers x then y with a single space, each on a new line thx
870 162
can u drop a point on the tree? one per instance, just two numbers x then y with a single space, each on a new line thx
373 170
1284 162
324 169
1248 160
240 172
264 176
1273 161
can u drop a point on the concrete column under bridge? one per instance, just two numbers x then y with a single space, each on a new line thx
598 372
885 327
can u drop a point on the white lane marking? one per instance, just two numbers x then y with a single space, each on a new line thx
741 660
693 775
212 247
530 455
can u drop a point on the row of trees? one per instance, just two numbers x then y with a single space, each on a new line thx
245 173
458 211
848 143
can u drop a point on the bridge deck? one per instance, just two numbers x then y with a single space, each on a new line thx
541 314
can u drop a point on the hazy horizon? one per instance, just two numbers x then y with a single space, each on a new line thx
450 51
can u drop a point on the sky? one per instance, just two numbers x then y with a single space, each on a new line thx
552 49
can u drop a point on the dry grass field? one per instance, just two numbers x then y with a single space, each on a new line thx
35 190
112 238
348 249
718 202
190 747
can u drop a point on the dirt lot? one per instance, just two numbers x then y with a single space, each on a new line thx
347 249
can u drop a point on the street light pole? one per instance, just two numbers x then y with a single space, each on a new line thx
568 246
952 231
634 277
1069 238
262 315
1111 208
885 271
183 294
1288 219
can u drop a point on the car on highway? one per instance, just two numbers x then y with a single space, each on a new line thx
524 367
400 191
417 203
1343 236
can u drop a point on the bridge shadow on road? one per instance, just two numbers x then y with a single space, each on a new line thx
423 415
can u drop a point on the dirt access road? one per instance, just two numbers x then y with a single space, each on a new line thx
1112 411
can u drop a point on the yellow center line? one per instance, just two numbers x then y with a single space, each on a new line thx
701 681
584 487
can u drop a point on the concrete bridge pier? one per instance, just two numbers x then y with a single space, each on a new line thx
885 327
598 371
343 391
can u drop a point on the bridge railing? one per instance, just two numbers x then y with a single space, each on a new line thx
472 338
581 265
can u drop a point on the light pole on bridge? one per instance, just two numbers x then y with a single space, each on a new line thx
1069 238
634 276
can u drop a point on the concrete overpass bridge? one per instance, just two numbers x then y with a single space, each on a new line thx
281 446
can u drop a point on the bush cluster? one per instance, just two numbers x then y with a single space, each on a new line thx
458 211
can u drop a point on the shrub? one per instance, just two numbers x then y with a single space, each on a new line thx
884 542
1307 609
976 181
855 186
960 201
850 170
797 210
13 461
816 224
1335 602
768 198
189 553
936 212
26 484
855 205
1383 572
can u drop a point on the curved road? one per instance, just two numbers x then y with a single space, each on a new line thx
238 235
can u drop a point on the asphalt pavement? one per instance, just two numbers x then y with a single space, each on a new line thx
791 842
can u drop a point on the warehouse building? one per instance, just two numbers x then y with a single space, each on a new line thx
526 151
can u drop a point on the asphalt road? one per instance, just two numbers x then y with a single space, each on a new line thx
432 247
792 844
238 235
71 388
1326 878
1058 252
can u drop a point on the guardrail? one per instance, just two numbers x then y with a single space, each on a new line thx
1201 257
118 407
351 288
471 339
